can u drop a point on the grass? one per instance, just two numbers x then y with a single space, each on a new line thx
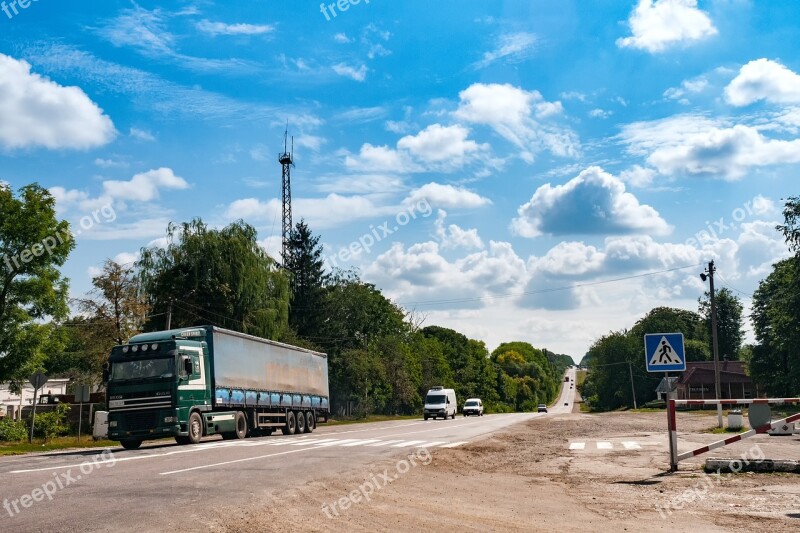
725 430
60 443
371 418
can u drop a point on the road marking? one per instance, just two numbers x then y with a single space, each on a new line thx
383 443
630 445
453 444
407 443
309 442
604 445
337 442
577 445
360 442
233 461
431 444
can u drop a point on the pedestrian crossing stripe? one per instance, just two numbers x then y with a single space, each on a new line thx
319 442
608 445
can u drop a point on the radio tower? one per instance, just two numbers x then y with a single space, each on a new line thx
287 163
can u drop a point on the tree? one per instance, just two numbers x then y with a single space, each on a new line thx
308 279
730 332
791 226
220 277
33 244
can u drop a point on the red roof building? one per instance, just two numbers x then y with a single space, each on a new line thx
697 382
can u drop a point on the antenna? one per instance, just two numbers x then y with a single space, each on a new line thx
287 162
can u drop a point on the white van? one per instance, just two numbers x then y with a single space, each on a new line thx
440 402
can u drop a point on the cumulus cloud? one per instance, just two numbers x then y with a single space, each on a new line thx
593 203
764 79
658 24
38 112
144 187
447 196
517 115
452 236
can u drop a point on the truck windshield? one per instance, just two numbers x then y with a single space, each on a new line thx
435 398
141 369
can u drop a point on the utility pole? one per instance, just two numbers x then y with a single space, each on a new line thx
714 344
169 316
633 390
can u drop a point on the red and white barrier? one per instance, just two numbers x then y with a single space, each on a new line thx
675 457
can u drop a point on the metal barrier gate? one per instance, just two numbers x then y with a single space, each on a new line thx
675 457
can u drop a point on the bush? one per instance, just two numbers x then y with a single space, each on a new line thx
53 423
12 431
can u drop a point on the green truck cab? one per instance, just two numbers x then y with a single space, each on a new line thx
192 382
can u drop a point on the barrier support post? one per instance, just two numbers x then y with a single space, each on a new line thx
673 436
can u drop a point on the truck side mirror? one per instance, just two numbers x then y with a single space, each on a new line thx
106 372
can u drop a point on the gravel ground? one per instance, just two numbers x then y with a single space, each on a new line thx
527 479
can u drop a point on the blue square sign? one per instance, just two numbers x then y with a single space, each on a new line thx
664 352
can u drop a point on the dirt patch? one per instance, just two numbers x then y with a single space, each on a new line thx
527 479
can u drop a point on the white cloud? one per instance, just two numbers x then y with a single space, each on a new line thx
354 73
110 163
513 47
638 176
447 196
220 28
513 112
692 86
38 112
144 187
381 159
342 38
440 144
600 113
593 203
453 236
142 135
657 25
764 79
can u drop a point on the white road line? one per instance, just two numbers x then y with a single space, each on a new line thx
234 461
360 442
453 444
407 443
431 444
309 442
604 445
577 445
337 442
383 443
630 445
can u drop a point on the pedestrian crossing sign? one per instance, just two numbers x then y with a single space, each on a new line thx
664 352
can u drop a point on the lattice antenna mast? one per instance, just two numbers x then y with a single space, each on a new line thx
287 162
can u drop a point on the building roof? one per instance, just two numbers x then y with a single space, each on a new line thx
703 372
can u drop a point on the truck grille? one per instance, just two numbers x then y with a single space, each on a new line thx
138 420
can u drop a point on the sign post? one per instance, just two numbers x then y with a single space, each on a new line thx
664 352
81 395
38 381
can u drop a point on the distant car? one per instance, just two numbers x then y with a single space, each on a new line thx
566 403
542 408
473 406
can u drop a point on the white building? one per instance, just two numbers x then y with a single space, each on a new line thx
11 403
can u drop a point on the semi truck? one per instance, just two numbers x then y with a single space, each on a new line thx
191 382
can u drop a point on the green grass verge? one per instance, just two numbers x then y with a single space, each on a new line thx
370 418
61 443
724 431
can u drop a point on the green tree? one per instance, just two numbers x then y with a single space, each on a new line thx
791 226
221 277
306 310
34 243
730 332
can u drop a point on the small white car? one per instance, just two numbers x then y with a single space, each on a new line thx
473 406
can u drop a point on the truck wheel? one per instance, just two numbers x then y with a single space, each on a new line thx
195 428
424 417
182 440
241 425
290 426
131 444
310 422
300 416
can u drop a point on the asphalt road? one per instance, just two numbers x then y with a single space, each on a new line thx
163 486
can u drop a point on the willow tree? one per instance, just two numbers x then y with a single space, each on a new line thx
215 276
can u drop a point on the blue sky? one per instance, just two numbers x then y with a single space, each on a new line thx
488 165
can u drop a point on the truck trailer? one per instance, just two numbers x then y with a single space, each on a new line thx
191 382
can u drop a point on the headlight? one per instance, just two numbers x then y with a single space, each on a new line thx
170 419
112 424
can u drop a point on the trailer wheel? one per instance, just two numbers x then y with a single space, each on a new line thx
195 428
241 425
311 423
132 444
291 424
300 416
